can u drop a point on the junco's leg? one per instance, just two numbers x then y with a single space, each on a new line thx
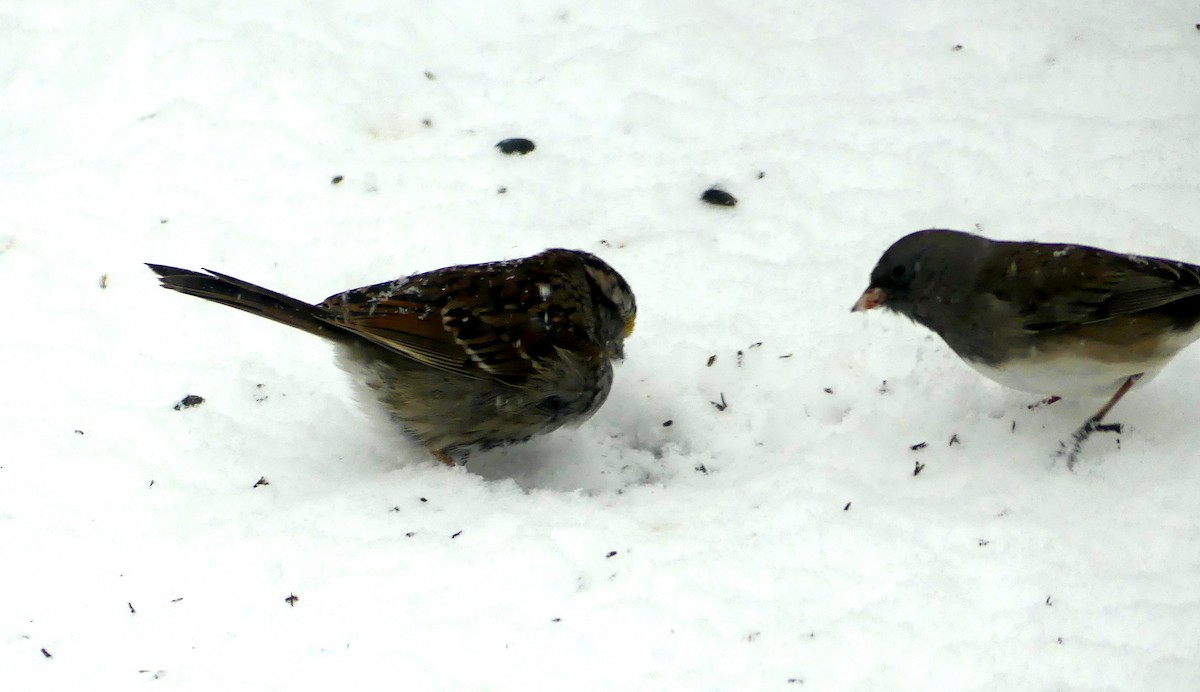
1093 424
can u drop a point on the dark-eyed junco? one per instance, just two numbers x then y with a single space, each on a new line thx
481 354
1051 319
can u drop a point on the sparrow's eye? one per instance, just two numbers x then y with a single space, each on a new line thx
899 271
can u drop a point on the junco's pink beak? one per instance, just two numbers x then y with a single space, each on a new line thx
871 298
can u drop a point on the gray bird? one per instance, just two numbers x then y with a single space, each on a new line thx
1051 319
473 355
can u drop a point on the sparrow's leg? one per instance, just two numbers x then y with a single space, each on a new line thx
443 457
1093 424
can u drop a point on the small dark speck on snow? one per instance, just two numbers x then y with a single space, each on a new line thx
189 401
846 508
718 197
515 145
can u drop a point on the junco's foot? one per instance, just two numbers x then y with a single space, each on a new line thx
1046 318
480 354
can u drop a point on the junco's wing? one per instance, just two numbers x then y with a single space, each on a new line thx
1054 287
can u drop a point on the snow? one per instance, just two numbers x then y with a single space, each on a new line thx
782 542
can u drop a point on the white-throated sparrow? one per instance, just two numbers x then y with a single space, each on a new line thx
480 354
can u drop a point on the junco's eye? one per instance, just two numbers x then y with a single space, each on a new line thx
899 271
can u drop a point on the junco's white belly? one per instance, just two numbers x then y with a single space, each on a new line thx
1067 377
1064 373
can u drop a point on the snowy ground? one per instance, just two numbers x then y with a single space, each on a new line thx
781 543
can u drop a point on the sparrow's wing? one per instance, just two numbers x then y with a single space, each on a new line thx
490 321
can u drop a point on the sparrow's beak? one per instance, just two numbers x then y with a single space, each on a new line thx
871 298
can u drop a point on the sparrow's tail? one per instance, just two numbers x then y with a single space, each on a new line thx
236 293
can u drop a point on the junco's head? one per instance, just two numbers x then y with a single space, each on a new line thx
923 266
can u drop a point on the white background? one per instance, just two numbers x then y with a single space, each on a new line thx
782 543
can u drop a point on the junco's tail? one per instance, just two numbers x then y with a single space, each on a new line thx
239 294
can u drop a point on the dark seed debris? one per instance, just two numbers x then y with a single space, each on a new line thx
189 401
515 145
718 197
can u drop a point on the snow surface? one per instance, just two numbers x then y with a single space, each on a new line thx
781 543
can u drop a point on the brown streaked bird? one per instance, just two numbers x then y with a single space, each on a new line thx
1048 318
472 355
